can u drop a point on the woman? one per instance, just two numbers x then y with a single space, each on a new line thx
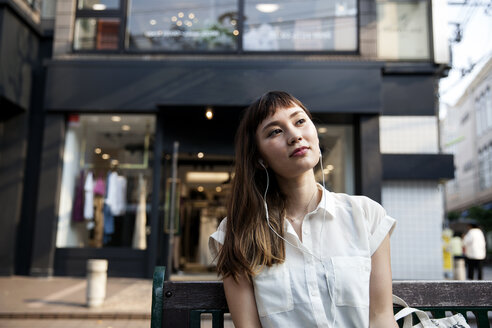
291 253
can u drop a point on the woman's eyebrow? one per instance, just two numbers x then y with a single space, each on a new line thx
277 122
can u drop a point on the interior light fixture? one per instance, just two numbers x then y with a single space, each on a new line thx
209 113
179 23
116 118
125 127
200 188
235 32
98 150
99 6
191 15
152 22
218 189
180 15
206 177
322 130
114 162
105 156
200 155
330 167
267 7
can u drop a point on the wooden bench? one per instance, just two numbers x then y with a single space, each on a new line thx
181 304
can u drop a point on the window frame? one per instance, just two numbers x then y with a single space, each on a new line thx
110 13
122 15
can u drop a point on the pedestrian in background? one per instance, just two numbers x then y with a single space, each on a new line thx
475 251
290 252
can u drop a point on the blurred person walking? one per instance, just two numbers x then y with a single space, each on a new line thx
475 251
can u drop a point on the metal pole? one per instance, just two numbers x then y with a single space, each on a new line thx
172 199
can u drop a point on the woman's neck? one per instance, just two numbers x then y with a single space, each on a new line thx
302 195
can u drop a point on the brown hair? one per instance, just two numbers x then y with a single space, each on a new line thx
249 243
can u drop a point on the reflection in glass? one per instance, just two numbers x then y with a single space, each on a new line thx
99 4
96 34
312 25
182 25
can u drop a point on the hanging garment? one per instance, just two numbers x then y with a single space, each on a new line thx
108 216
208 225
78 204
97 240
100 187
89 197
139 235
118 208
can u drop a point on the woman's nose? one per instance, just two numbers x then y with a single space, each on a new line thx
295 138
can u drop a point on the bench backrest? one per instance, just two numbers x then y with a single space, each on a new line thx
180 304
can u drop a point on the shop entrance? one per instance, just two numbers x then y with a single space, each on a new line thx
199 160
197 170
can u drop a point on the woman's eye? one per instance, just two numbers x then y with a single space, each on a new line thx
301 121
274 132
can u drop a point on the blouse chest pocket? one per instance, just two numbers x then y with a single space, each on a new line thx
273 292
352 274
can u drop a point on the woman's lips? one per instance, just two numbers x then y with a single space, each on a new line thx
299 151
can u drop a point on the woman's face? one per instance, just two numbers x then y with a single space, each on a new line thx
288 142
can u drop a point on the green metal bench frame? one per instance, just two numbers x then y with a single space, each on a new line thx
181 304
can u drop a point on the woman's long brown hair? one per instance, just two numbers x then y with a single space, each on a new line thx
249 243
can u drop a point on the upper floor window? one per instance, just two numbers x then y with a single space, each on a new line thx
216 26
98 25
403 29
483 112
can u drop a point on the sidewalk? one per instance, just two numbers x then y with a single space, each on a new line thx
61 302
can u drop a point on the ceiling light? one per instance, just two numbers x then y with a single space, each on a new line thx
322 130
330 167
105 156
180 15
97 150
191 15
179 23
235 32
209 113
200 155
125 127
267 7
114 162
115 118
218 189
174 18
153 22
99 6
200 188
206 177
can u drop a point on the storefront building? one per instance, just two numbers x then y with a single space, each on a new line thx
143 98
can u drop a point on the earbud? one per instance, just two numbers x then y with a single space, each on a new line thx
260 161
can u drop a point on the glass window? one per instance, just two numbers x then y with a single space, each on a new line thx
96 34
106 181
336 143
99 4
312 25
403 29
186 25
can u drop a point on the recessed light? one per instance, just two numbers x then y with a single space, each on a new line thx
200 188
267 7
200 155
125 127
116 118
105 156
97 150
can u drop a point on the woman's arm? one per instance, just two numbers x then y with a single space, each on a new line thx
241 301
381 288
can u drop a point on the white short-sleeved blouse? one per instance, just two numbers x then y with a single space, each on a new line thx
331 288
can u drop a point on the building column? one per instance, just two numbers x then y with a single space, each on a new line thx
368 171
44 237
